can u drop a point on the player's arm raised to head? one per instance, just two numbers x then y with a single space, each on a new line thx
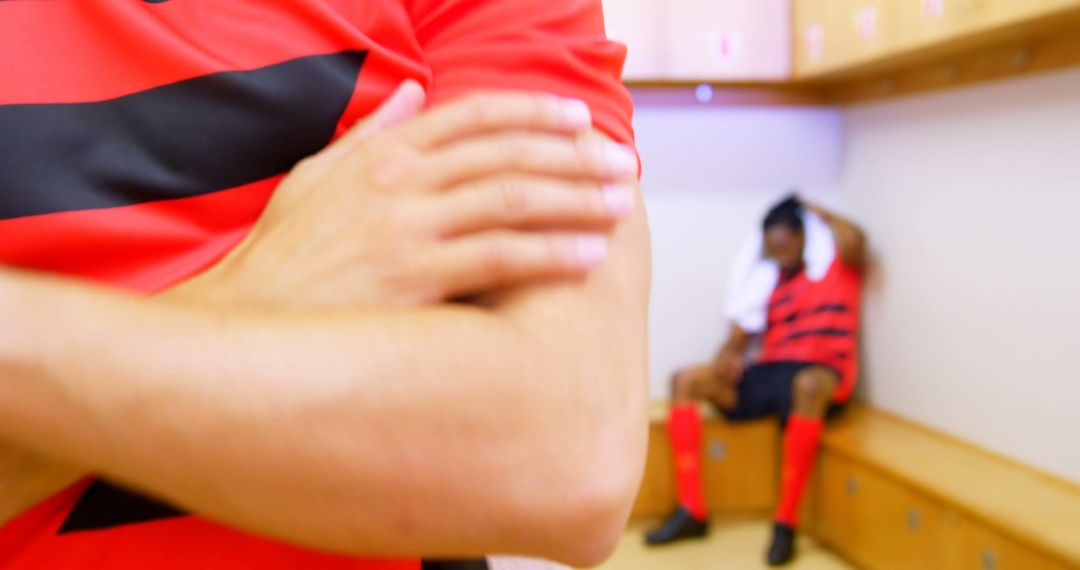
850 238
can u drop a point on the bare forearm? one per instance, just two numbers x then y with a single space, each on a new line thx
849 237
332 431
737 340
841 225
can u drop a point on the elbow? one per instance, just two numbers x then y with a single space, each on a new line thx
596 518
853 249
603 473
589 446
859 251
597 483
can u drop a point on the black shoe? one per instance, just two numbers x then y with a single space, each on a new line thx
681 524
782 549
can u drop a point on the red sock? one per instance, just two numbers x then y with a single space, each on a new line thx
801 440
684 427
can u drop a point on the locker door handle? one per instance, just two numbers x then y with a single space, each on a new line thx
989 559
914 520
852 485
717 450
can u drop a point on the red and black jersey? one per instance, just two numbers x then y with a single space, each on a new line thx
140 140
816 321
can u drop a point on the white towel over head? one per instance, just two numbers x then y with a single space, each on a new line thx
753 276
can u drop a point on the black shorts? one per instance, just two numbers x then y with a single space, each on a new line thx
766 390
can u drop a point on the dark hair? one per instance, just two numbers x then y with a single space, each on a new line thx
787 213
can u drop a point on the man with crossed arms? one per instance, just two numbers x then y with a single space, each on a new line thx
429 343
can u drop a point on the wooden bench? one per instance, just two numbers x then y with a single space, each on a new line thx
887 494
741 467
891 494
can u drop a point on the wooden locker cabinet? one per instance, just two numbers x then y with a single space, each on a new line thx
1006 11
836 33
890 494
880 523
742 466
740 469
636 23
922 22
837 506
703 40
875 521
732 40
969 16
656 496
814 43
971 546
868 29
1060 4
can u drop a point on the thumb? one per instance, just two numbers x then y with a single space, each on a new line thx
404 103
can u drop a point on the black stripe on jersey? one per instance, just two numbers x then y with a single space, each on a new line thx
103 506
827 308
781 301
180 140
815 332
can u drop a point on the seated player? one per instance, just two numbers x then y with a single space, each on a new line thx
806 370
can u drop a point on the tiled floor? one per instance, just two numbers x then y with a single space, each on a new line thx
730 546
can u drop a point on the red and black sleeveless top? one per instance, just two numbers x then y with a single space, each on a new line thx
817 321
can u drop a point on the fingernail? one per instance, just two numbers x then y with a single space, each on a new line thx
575 114
621 161
592 250
619 198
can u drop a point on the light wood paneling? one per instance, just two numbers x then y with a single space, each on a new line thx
1055 45
1002 12
1003 499
880 523
833 34
870 29
820 43
718 40
970 546
874 521
740 469
837 510
853 51
924 22
728 40
656 497
741 465
867 35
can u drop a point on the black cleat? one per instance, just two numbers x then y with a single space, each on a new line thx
782 549
679 525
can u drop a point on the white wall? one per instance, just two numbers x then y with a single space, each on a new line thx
972 318
710 173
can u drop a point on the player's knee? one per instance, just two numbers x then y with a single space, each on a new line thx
812 385
682 384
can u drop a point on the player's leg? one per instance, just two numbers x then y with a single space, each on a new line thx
736 399
685 429
811 389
